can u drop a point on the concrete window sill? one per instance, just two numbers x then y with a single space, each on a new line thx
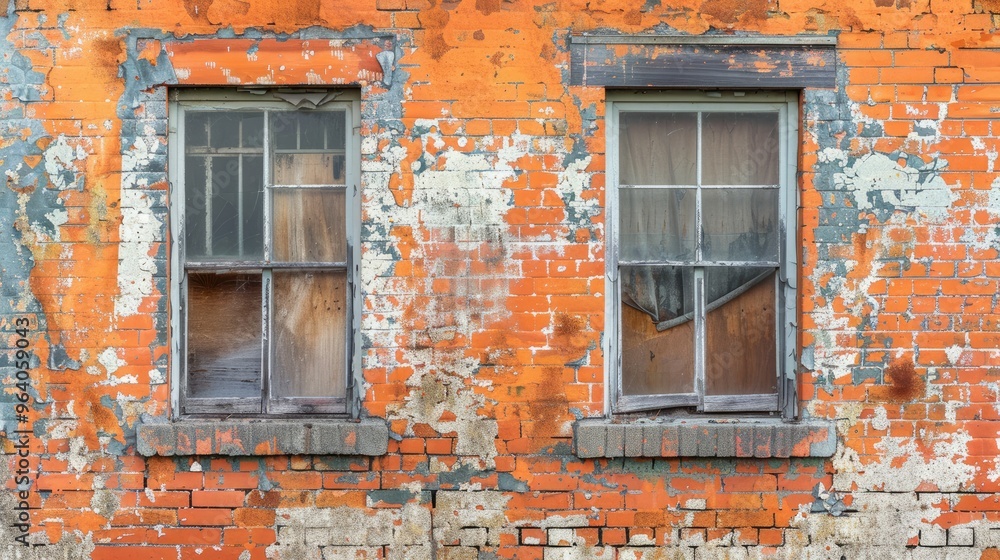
704 437
263 437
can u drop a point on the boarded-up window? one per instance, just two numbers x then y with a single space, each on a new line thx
268 194
702 205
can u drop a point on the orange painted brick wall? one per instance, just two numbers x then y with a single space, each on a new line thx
483 339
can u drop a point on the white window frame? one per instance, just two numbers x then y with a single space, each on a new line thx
222 99
785 401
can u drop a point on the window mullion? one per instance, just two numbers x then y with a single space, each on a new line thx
699 280
208 205
267 280
699 335
239 201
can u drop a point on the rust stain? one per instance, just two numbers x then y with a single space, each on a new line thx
904 384
487 7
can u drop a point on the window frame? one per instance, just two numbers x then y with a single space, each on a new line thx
182 100
786 103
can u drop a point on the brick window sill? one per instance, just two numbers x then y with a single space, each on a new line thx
263 437
704 437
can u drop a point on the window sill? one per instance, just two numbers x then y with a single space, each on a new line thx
263 437
704 437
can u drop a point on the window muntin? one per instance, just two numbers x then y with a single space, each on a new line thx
699 212
266 202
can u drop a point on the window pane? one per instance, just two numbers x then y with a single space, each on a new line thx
740 224
740 331
285 130
309 225
225 228
234 209
657 148
253 206
657 224
739 149
309 169
310 314
309 130
336 133
223 335
252 130
194 207
224 130
312 131
657 330
196 129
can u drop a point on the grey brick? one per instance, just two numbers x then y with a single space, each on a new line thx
616 441
762 440
688 440
373 437
744 440
670 445
725 440
155 439
332 438
633 440
287 437
652 439
707 435
781 445
827 447
590 439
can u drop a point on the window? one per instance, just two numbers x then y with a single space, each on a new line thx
264 203
701 264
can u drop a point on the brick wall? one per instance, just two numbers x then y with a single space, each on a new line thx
483 282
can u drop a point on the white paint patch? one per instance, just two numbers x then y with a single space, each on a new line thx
60 164
876 180
881 420
109 359
901 466
139 230
984 237
954 353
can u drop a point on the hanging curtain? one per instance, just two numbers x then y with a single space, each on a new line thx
658 224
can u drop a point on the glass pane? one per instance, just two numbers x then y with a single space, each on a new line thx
253 206
657 330
285 130
740 224
336 135
194 207
657 224
224 130
309 130
310 334
312 131
658 148
223 335
225 228
196 129
740 149
309 169
740 331
309 225
252 130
